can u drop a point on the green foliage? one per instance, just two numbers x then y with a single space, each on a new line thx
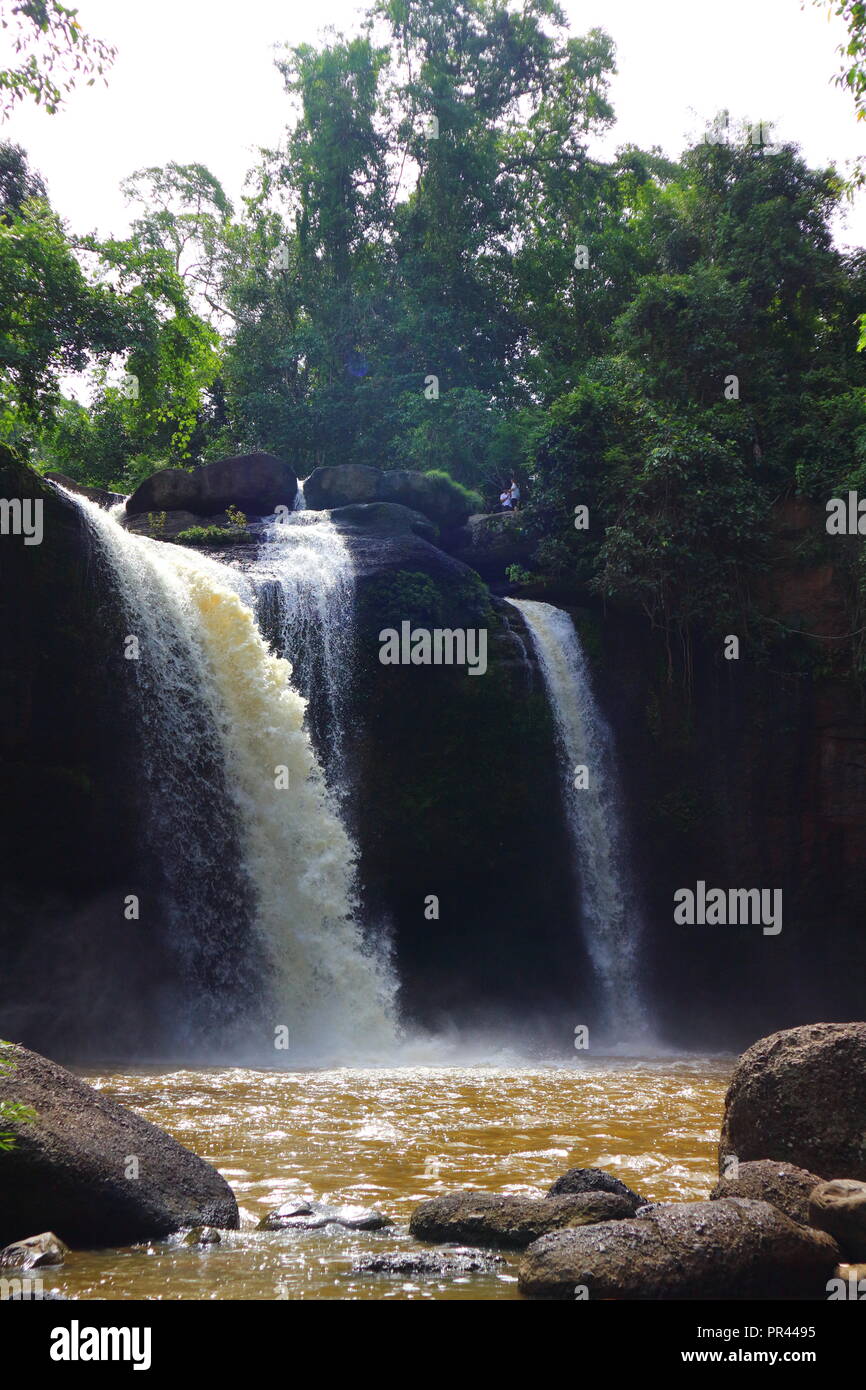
54 50
452 494
217 537
11 1112
516 574
404 596
853 53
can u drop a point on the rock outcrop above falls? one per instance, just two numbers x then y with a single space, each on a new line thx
255 484
433 494
492 541
92 1171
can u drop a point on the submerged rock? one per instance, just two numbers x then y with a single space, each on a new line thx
254 483
511 1222
202 1235
94 1172
732 1248
800 1096
764 1180
312 1216
594 1180
428 1263
839 1208
34 1252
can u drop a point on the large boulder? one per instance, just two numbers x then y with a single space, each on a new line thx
254 483
91 1170
766 1180
100 495
422 737
491 541
383 519
433 494
729 1249
800 1096
341 485
510 1222
839 1208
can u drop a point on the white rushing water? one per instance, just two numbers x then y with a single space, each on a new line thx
610 914
221 700
303 573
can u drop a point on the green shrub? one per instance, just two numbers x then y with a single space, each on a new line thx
450 487
10 1111
216 536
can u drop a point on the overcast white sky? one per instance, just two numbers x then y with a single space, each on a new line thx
194 81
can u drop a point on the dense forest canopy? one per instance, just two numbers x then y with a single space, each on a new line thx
432 271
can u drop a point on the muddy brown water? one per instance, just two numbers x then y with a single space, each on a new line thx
391 1138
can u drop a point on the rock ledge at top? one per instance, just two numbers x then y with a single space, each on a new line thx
345 484
254 483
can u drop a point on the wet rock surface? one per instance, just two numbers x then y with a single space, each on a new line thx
785 1186
800 1096
839 1208
511 1222
430 1264
34 1252
94 1172
732 1248
578 1180
314 1216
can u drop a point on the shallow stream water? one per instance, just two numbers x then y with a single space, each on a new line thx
390 1138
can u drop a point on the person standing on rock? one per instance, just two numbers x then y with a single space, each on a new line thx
514 493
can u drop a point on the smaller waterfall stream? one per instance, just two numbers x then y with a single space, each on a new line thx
610 914
303 576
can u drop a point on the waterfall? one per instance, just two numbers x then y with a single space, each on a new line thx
303 575
230 773
609 912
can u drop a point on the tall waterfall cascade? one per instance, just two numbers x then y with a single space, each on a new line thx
609 910
214 697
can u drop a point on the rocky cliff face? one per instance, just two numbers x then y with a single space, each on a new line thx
67 778
748 774
455 797
751 775
76 974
